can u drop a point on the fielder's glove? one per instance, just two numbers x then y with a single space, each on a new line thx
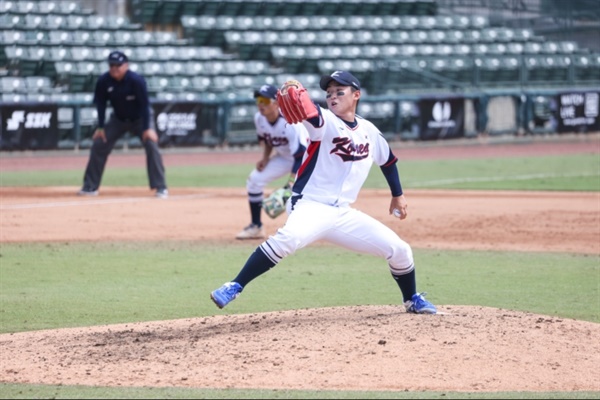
294 102
274 205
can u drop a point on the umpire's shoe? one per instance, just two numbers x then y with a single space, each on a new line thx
87 192
226 294
418 305
162 193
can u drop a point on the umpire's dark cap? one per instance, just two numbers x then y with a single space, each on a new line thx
342 77
117 58
268 91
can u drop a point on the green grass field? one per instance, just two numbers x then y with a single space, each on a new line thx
45 286
570 173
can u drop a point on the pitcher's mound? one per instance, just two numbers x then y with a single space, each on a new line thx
339 348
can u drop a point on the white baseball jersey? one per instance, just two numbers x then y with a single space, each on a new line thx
339 159
285 138
335 167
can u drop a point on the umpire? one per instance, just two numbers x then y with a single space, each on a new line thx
128 96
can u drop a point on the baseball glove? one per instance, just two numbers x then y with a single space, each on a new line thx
274 205
295 103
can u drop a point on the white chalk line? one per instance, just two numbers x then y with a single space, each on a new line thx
500 178
98 201
415 184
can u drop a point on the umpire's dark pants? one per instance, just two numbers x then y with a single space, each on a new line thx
114 129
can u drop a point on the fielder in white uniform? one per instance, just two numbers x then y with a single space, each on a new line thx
343 147
283 148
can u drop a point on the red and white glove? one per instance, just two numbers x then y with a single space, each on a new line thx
295 103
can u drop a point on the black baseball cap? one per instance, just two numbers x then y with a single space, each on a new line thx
268 91
117 58
343 77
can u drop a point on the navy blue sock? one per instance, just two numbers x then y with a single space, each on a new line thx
258 263
407 284
255 210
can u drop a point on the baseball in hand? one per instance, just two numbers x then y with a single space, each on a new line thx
397 213
286 86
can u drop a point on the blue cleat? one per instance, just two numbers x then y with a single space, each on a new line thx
418 305
226 294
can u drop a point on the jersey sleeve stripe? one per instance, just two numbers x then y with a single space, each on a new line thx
308 166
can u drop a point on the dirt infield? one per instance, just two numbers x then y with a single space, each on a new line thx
345 348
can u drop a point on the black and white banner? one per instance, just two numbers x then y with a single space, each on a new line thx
578 111
182 123
442 118
29 127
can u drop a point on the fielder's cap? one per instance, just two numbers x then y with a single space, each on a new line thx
117 58
268 91
342 77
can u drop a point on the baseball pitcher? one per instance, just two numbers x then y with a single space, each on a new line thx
343 147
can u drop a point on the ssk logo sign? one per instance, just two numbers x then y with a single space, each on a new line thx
32 120
29 126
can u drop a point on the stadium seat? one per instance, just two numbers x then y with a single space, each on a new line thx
82 53
12 37
380 113
437 36
7 6
532 48
81 37
75 22
143 53
550 47
179 83
142 38
472 36
201 83
568 47
522 34
161 38
479 21
46 7
34 21
195 67
11 21
175 68
101 38
25 7
157 83
587 67
12 84
515 48
166 53
101 53
124 38
14 97
38 84
58 54
72 7
135 66
153 68
38 97
54 21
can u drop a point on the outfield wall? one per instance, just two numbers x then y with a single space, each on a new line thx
48 126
